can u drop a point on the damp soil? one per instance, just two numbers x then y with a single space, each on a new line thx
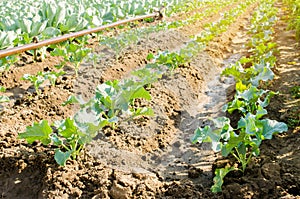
152 157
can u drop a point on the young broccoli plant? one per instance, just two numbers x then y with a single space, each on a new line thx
249 100
114 99
68 136
38 79
242 142
72 53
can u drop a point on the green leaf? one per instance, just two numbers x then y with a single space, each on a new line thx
37 28
150 56
207 135
224 128
59 52
68 129
51 32
271 127
62 157
7 38
141 93
89 124
260 112
4 99
25 25
74 100
236 104
266 102
239 86
264 74
236 71
2 89
219 178
233 142
143 111
56 140
38 131
253 93
248 124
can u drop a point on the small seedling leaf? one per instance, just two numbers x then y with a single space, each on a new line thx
62 157
38 131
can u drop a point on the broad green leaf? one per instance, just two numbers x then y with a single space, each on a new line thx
251 94
219 178
232 143
68 128
141 93
60 15
38 131
25 25
242 148
59 52
37 28
267 99
108 17
150 56
62 157
264 74
236 104
271 127
260 112
224 129
249 124
143 111
201 134
236 71
7 38
51 32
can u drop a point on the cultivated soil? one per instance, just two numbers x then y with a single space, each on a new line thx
152 157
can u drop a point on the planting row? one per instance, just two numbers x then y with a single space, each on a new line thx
33 21
294 6
243 139
115 100
75 53
21 21
132 37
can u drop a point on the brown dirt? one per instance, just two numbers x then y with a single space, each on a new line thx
151 157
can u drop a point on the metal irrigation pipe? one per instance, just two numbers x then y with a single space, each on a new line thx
32 46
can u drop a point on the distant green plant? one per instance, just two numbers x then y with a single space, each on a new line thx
6 62
38 79
294 19
295 91
3 98
71 52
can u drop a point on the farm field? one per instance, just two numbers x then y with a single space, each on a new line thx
160 108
